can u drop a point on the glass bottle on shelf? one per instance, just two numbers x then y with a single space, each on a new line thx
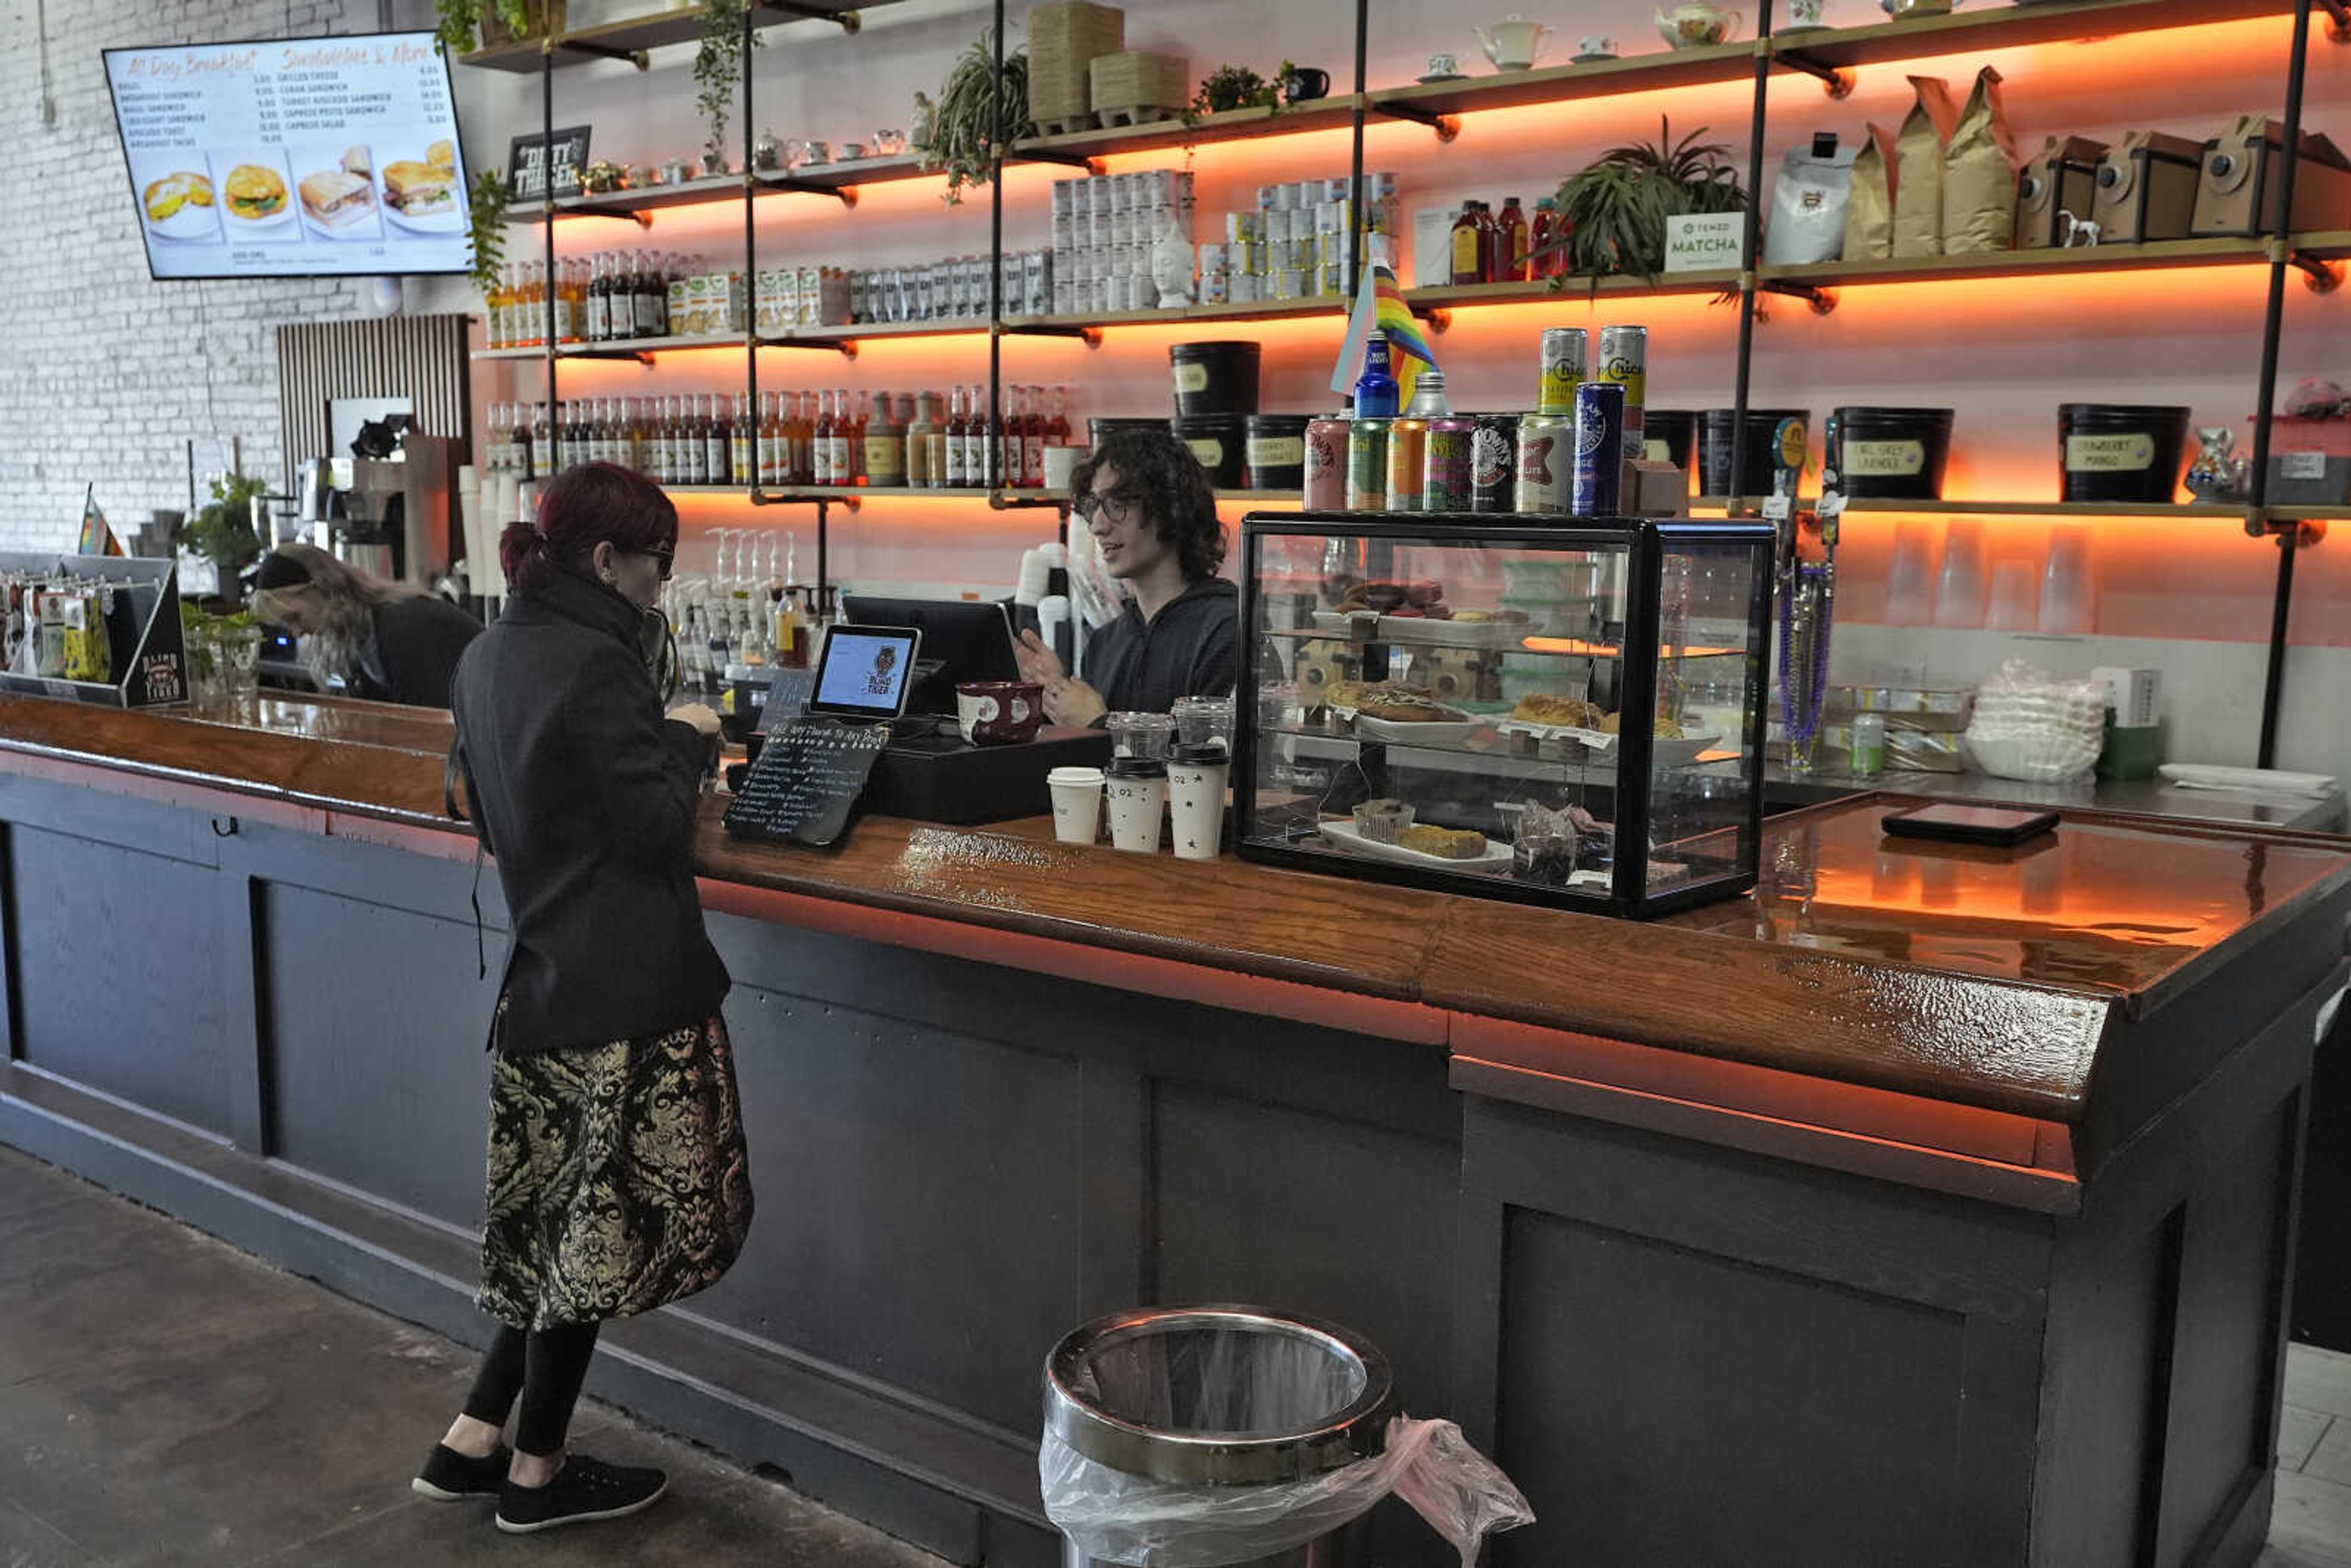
956 473
820 441
1512 241
517 442
742 443
1032 438
599 301
1468 248
493 310
717 442
885 445
1489 243
591 430
848 439
762 448
800 438
649 297
1056 431
920 475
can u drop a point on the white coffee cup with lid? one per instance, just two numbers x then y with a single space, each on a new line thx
1076 803
1137 789
1196 799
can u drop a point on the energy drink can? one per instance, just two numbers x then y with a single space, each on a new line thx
1445 470
1326 464
1367 464
1494 463
1546 462
1599 449
1408 460
1624 360
1563 368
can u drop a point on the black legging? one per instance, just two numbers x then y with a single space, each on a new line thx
546 1367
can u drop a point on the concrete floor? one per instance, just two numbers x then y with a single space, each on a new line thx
167 1400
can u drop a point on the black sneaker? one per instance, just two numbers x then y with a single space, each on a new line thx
452 1477
583 1489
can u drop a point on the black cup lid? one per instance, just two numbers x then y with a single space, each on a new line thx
1202 751
1136 767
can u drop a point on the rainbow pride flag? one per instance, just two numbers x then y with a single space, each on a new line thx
1379 304
97 538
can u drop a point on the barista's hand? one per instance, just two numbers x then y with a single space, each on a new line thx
1072 702
1037 659
703 721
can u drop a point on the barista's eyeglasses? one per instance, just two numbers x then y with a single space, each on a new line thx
1120 509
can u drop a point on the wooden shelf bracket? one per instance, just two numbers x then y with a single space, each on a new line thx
1835 80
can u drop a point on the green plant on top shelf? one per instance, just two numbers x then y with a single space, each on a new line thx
1615 212
719 71
461 21
958 133
487 197
1229 88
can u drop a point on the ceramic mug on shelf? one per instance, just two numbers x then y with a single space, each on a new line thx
1805 13
1592 46
817 153
889 143
851 151
1306 83
1443 66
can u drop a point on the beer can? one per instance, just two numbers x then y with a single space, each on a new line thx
1326 464
1408 464
1546 462
1446 464
1494 463
1599 449
1367 464
1624 360
1563 368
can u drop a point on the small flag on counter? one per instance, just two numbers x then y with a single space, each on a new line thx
97 539
1379 303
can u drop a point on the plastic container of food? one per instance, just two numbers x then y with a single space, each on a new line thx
1220 442
1274 452
1215 377
1715 428
2122 452
1894 451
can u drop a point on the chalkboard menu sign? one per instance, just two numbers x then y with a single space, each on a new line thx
807 782
527 161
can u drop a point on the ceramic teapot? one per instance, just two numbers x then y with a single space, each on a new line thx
1513 43
1697 23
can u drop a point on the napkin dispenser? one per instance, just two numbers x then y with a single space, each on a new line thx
2240 188
2064 178
2147 188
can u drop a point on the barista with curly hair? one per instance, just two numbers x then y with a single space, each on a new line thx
1153 515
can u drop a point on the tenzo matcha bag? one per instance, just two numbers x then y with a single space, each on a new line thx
1918 179
1808 204
1980 175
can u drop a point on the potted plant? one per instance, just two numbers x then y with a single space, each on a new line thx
718 74
958 133
1229 88
223 532
1614 213
468 25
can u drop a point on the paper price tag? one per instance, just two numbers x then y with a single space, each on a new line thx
1779 509
1831 506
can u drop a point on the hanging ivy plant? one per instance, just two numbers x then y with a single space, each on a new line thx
487 199
958 133
718 70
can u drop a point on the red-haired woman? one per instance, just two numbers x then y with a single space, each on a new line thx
617 1175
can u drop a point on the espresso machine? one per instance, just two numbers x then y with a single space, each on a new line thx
398 504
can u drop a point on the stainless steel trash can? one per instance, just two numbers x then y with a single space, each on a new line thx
1222 1396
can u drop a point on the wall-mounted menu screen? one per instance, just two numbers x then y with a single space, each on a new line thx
296 158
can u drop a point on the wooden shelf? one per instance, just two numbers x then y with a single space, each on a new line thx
2018 263
833 337
844 174
1570 290
1873 504
1255 310
2006 27
1233 125
631 36
1710 65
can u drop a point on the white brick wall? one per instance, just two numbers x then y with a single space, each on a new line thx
105 375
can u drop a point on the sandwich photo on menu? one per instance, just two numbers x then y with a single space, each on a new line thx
423 195
179 205
253 192
339 202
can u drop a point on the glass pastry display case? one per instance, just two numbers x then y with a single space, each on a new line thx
1566 712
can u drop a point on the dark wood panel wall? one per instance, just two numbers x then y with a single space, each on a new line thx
1684 1353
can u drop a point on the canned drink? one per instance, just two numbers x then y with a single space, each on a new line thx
1326 464
1367 464
1494 463
1868 745
1546 462
1408 464
1446 465
1599 449
1563 370
1624 360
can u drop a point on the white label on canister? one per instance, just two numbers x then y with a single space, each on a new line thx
2301 465
1888 459
2130 454
1191 376
1209 451
1655 452
1276 451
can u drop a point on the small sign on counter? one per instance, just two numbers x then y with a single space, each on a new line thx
805 786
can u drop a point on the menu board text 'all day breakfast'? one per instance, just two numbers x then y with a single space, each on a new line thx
294 158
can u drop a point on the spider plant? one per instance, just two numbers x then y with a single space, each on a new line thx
1614 213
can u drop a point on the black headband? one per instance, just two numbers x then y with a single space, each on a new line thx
279 570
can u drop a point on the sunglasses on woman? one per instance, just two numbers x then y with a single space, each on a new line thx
666 559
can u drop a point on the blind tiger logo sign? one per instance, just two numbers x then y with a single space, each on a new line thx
878 681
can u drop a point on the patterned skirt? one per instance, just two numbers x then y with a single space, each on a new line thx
618 1178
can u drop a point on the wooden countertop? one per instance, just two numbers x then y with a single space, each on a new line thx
1983 978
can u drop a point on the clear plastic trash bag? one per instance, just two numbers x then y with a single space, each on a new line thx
1129 1519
